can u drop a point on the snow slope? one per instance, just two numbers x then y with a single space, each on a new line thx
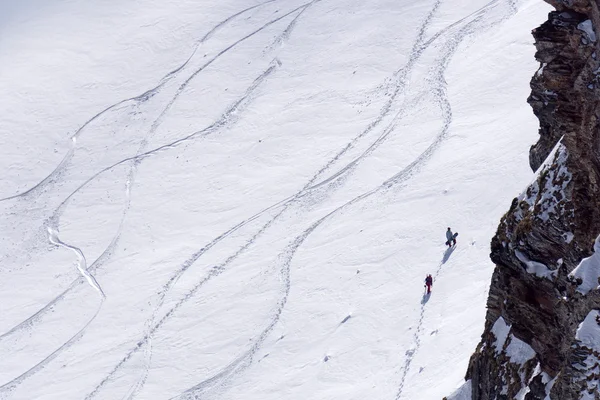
240 200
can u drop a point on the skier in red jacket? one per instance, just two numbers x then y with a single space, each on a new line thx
428 283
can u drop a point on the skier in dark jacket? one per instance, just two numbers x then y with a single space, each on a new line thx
451 239
428 283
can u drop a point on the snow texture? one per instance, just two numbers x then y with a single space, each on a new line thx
221 169
588 270
568 236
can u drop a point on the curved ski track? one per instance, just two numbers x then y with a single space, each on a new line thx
9 386
55 174
227 116
224 120
220 123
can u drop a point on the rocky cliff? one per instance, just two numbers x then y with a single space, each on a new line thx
542 333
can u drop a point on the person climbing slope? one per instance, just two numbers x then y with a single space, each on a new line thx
428 283
451 238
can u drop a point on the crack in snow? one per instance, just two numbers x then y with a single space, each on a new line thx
81 262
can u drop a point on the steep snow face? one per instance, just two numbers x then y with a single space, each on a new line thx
229 200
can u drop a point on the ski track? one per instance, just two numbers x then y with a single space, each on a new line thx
6 388
85 274
53 221
81 261
402 77
54 176
245 360
141 153
145 342
145 95
27 323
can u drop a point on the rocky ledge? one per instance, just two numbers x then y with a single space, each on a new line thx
542 332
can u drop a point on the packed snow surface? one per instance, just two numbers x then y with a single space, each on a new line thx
241 200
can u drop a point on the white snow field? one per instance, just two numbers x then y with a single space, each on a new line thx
227 199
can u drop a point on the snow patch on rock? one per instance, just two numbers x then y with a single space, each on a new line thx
541 70
587 27
462 393
588 332
500 331
534 267
518 351
588 270
549 382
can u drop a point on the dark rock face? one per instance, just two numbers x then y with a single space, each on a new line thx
532 345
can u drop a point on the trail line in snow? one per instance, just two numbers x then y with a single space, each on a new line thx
56 173
82 266
440 93
234 367
11 385
27 323
142 153
222 122
224 119
410 353
53 220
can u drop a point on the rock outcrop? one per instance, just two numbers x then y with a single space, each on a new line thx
542 338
